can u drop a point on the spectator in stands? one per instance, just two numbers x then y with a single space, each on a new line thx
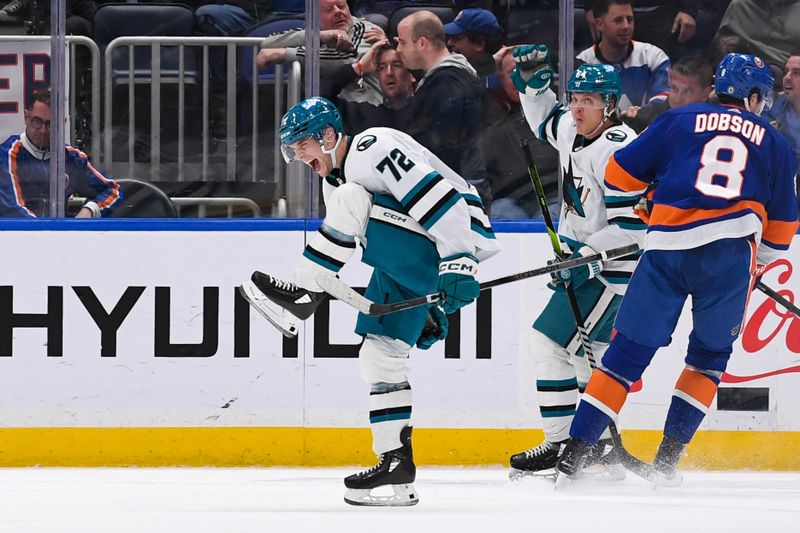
344 40
666 23
691 81
642 66
397 86
785 112
771 26
445 113
506 166
79 16
475 34
25 171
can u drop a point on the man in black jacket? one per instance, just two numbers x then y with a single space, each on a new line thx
445 115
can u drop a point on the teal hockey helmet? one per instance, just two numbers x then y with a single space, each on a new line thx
308 118
600 78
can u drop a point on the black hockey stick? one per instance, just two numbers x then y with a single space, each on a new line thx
789 306
627 460
340 290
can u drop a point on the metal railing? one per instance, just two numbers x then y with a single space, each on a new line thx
73 41
155 80
229 203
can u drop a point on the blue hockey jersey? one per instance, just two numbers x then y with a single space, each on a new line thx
721 172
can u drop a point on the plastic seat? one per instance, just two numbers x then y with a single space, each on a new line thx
445 13
143 200
125 20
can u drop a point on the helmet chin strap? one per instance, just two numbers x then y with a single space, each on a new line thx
759 106
332 151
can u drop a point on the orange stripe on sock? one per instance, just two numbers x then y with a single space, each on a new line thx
698 386
607 390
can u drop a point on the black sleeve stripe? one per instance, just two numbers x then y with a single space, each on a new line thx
423 191
433 210
478 223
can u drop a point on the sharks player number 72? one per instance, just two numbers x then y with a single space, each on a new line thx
422 228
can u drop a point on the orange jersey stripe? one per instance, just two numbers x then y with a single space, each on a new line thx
675 216
14 177
698 386
780 232
607 390
621 179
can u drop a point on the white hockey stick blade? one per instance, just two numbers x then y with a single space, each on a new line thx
284 321
340 290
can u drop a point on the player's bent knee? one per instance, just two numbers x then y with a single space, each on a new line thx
382 359
707 359
348 208
544 349
626 358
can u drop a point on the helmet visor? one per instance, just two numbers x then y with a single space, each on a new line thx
586 101
769 98
289 153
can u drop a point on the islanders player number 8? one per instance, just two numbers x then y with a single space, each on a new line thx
712 165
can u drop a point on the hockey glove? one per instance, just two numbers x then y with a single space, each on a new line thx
578 275
457 281
435 328
532 67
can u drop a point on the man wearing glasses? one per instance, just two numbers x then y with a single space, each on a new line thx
25 171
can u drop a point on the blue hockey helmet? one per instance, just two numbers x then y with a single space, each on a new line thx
738 74
600 78
308 118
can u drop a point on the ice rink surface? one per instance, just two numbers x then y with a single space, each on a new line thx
480 500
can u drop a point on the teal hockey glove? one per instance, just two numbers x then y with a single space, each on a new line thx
532 67
435 328
457 281
580 274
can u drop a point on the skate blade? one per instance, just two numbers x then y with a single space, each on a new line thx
284 321
564 481
404 496
659 480
516 475
605 473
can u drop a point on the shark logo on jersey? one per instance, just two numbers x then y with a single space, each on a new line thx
572 189
366 142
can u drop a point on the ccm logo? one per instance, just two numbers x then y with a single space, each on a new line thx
394 217
456 267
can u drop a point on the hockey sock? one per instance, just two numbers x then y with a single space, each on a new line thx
389 413
558 396
691 400
327 249
600 404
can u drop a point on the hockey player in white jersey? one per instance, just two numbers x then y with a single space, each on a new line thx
592 218
422 228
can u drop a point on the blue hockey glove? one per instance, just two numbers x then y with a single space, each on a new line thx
435 328
578 275
457 281
532 67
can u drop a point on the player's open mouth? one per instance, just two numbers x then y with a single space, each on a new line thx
315 164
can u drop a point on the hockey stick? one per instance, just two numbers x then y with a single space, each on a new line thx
789 306
626 459
340 290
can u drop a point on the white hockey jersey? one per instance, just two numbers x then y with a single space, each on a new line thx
448 209
591 214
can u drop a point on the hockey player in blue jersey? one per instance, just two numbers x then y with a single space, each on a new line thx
421 227
724 204
593 218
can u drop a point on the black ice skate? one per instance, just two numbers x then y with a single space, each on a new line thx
395 469
537 461
573 458
605 462
282 303
665 464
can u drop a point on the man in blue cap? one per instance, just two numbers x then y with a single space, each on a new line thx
475 34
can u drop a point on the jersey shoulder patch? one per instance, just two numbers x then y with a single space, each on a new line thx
365 142
616 136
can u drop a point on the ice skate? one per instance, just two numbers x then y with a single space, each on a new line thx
395 470
665 464
538 461
570 465
282 303
604 462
